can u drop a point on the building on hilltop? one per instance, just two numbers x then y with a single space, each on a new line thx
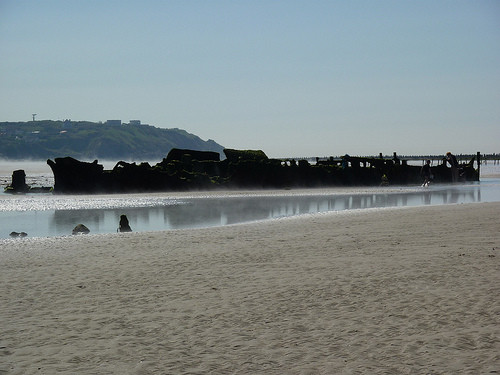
134 122
114 122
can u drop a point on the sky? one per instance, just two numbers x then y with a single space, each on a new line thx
292 78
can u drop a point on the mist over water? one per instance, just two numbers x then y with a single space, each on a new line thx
42 215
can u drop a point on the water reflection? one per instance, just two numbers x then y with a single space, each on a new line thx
209 212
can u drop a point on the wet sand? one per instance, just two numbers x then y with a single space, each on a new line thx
386 291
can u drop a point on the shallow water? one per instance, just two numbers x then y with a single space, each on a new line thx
42 215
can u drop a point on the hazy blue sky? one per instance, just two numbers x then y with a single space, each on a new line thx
293 78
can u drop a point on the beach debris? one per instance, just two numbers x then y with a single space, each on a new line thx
18 184
81 229
124 225
18 234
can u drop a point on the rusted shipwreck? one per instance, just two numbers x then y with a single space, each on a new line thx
185 170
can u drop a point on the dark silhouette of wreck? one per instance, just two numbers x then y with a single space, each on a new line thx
185 170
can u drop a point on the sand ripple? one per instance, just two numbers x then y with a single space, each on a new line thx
393 291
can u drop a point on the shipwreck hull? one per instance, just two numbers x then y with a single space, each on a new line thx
185 170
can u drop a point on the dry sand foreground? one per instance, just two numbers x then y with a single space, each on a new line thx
393 291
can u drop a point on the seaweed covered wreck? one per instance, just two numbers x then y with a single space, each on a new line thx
185 170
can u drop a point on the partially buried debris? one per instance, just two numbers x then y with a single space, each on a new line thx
81 229
18 234
124 225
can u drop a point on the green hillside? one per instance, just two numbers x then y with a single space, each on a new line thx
89 140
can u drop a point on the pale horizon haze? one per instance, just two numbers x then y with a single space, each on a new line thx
292 78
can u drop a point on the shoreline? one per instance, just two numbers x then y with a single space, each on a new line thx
304 217
393 290
55 215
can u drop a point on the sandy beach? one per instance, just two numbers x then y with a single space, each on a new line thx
386 291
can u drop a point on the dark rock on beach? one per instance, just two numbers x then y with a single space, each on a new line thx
81 229
124 224
18 234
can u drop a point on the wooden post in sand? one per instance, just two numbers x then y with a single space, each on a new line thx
478 164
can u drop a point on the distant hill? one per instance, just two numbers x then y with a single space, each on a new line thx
40 140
